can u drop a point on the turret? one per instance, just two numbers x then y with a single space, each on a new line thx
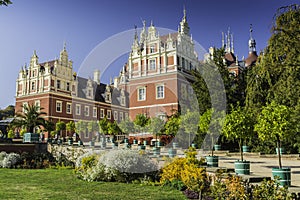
97 76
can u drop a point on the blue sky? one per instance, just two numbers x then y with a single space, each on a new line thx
45 25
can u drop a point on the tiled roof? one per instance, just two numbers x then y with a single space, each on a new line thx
252 57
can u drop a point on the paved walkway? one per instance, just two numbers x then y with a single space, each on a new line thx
262 166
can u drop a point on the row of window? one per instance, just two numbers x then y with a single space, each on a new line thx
59 85
160 92
117 115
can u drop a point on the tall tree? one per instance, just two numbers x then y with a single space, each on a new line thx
238 126
30 118
277 74
275 123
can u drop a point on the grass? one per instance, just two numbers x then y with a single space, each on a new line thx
63 184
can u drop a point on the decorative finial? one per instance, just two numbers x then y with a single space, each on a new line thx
65 44
251 30
151 23
184 13
237 60
223 42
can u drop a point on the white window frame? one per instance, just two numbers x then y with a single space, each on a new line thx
152 48
86 111
143 97
115 115
68 86
78 109
68 111
101 113
33 85
58 105
108 114
95 111
160 94
152 64
121 116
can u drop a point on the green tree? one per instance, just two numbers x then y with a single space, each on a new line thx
156 126
172 125
92 126
238 126
103 125
113 128
211 123
126 126
9 111
276 76
30 118
60 126
141 122
190 123
81 126
274 123
49 126
70 126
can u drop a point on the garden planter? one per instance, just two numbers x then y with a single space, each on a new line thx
172 152
212 161
115 145
145 142
92 143
242 167
59 141
141 147
70 142
194 145
246 149
126 140
284 175
217 147
281 150
31 138
80 143
175 145
158 144
156 151
135 142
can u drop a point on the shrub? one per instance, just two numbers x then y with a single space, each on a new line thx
36 160
115 165
128 161
270 190
10 160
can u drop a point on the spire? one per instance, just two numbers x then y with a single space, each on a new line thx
184 26
184 14
232 48
251 43
65 44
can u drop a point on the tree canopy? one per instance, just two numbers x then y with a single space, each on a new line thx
277 74
30 118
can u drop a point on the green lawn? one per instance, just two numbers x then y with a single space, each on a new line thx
63 184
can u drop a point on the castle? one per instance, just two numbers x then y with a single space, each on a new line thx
155 79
